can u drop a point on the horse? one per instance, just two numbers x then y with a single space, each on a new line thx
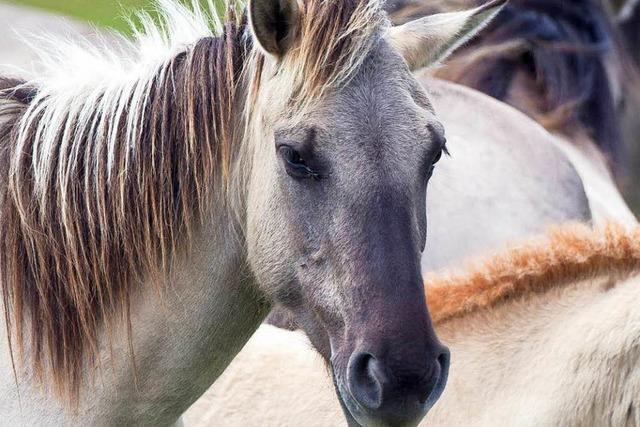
474 149
542 333
160 195
491 192
502 220
494 206
564 66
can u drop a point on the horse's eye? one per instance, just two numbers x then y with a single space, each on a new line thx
291 156
437 157
294 164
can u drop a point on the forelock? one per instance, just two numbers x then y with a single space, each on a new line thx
332 40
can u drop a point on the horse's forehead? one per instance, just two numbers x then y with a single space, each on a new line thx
378 129
382 86
383 67
382 113
384 99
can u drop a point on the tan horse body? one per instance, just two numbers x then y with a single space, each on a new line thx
506 178
549 336
514 65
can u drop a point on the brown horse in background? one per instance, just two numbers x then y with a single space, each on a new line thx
562 63
628 20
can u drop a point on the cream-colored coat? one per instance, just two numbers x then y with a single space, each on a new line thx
569 357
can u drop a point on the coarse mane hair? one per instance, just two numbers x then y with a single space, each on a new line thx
566 255
570 51
112 157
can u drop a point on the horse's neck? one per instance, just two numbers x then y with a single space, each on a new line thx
181 344
563 347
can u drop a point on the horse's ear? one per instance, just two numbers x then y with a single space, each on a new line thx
273 24
429 40
629 25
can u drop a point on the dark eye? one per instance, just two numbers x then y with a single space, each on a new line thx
294 164
291 156
436 159
438 156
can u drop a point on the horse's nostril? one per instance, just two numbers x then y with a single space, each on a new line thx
441 372
395 393
444 359
365 377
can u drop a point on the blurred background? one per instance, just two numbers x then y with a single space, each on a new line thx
623 35
104 13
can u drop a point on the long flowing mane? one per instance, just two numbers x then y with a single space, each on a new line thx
570 52
565 256
112 158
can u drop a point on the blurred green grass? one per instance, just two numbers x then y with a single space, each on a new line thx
116 14
104 13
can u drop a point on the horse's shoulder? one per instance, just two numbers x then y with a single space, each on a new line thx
483 130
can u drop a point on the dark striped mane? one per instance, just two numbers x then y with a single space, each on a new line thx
97 195
568 50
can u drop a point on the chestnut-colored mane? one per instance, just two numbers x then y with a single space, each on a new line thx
565 256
